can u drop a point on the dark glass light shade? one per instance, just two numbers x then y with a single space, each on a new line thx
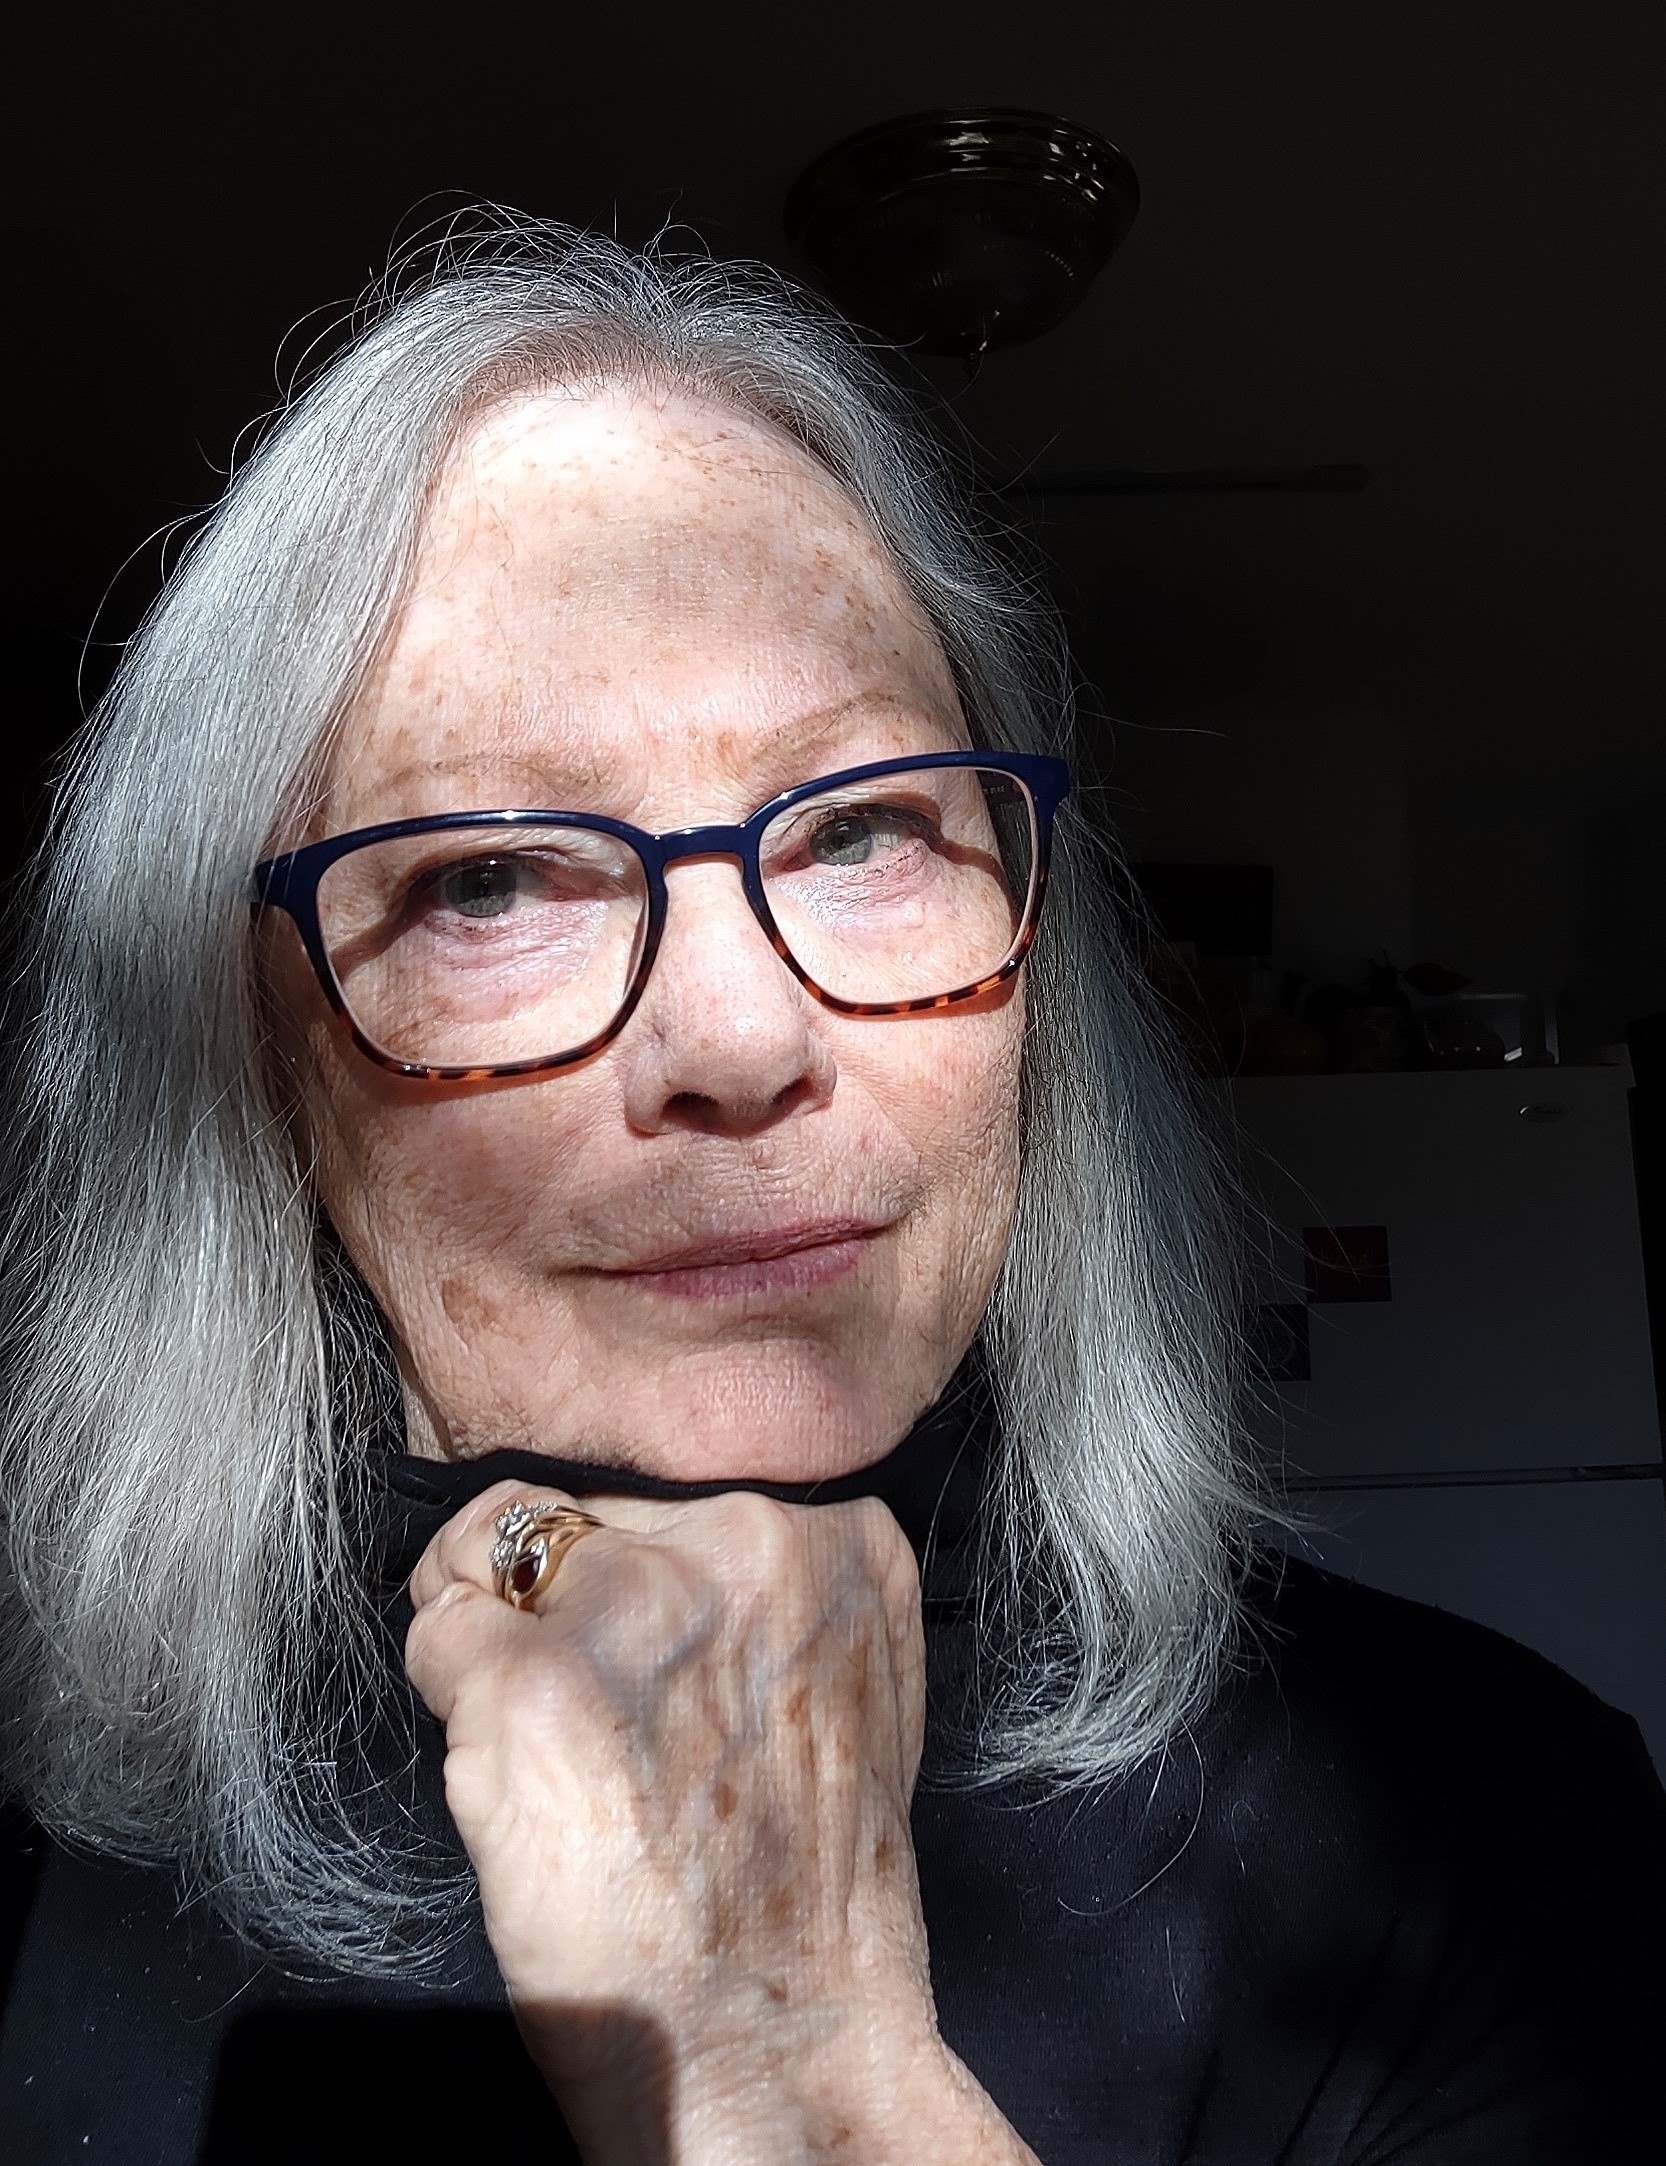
954 232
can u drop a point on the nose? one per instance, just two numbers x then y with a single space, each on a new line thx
724 1038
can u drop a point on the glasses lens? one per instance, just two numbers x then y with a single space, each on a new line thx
903 886
467 947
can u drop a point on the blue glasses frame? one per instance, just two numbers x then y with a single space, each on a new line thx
290 883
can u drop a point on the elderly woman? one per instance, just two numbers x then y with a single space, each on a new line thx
628 1518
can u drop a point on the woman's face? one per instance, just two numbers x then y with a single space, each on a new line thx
654 609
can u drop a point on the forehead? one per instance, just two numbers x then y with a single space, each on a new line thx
615 580
620 508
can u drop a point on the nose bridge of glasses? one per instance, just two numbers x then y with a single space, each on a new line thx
692 842
710 845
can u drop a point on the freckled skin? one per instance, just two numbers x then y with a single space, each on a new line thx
628 598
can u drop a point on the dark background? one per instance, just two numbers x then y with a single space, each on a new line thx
1423 238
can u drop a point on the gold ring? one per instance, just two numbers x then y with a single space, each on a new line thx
532 1540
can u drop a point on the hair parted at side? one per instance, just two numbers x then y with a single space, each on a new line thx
187 1643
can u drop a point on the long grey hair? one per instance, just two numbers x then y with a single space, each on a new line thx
190 1367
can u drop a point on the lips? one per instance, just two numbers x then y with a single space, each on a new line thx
755 1247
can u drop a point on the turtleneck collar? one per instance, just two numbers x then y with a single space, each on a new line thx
933 1480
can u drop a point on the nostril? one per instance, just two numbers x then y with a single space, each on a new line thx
737 1113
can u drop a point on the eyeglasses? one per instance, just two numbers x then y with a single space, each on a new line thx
475 944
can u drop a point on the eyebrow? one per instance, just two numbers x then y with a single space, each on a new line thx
805 730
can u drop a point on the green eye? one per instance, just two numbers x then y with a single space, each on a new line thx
482 889
848 837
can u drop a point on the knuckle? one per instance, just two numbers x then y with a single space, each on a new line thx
431 1615
480 1512
766 1529
881 1534
876 1519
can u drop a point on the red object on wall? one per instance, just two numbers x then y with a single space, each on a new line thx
1347 1263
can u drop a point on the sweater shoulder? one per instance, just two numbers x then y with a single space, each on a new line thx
1431 1716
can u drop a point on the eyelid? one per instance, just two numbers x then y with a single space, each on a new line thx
586 846
878 793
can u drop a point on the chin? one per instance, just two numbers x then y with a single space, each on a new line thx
764 1412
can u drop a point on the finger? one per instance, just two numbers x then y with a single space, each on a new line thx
463 1634
462 1549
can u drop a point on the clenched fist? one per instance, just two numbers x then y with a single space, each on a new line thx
684 1779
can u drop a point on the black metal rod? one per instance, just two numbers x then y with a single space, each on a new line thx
1652 1470
1135 481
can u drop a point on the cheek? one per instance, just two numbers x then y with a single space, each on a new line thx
954 1094
419 1189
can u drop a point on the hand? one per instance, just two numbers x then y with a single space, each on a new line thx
684 1780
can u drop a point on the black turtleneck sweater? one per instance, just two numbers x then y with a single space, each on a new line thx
1399 1899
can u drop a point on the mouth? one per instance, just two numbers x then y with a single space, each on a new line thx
790 1261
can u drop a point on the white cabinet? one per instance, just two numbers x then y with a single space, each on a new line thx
1479 1413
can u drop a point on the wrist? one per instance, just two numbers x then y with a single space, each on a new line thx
750 2120
855 2093
850 2091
